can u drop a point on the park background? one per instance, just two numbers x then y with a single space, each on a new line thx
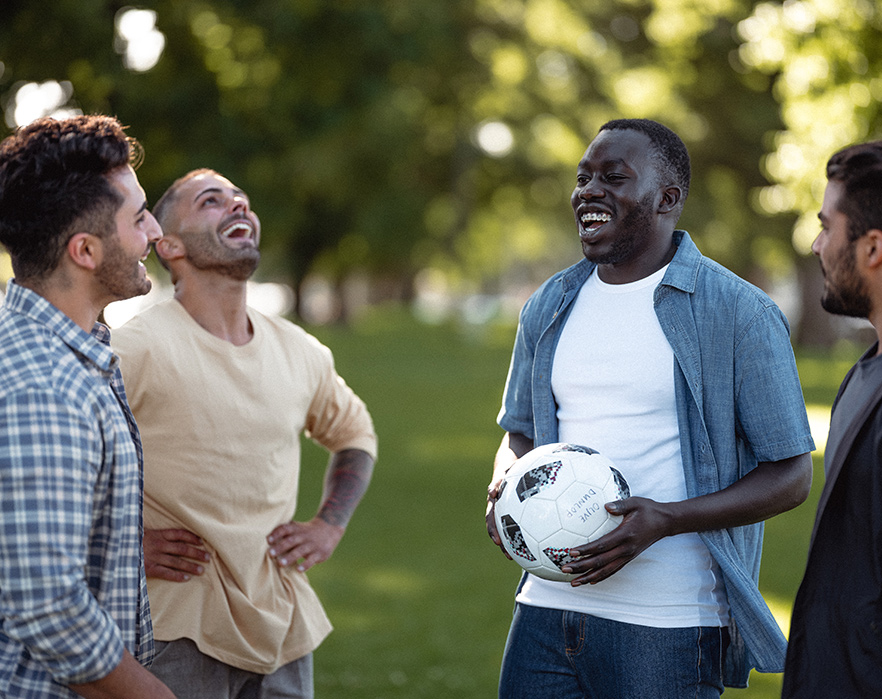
411 163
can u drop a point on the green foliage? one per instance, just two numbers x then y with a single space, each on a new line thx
825 59
354 126
339 119
359 129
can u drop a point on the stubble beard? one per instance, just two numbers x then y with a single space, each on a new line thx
849 298
119 275
238 264
635 227
852 301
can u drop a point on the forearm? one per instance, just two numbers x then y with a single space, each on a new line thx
770 489
512 448
346 481
128 680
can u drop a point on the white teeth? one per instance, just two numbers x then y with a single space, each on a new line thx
596 217
241 227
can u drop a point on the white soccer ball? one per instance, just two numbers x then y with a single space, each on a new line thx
552 500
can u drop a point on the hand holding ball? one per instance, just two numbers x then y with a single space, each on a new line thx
552 500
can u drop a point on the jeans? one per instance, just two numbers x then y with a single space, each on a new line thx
192 675
568 655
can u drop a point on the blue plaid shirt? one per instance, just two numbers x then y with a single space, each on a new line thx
72 585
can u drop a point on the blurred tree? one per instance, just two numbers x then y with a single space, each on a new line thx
340 120
825 59
392 137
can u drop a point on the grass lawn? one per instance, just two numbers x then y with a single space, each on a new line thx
419 597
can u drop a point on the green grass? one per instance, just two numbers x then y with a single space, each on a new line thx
419 597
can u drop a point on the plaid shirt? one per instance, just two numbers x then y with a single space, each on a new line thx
72 586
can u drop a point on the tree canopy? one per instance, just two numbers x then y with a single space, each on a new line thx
388 138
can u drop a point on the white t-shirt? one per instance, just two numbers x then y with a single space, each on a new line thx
613 381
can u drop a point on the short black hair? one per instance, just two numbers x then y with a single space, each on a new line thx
669 147
53 181
859 169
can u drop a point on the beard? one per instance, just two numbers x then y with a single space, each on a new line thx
635 226
118 274
208 255
849 301
847 296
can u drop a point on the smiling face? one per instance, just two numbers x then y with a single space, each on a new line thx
616 204
121 273
213 219
845 291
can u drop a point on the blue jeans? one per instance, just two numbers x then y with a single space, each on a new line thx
567 655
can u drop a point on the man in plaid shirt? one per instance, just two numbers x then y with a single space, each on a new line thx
74 618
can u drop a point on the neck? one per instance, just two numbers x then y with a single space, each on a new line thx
218 304
69 298
650 262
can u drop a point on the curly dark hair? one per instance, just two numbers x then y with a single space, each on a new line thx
671 152
859 169
53 183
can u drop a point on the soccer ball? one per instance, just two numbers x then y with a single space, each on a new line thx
551 500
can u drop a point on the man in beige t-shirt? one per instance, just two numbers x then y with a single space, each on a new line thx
221 394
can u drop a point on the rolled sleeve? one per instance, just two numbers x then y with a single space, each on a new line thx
768 396
516 414
48 473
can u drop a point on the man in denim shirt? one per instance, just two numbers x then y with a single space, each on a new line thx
683 375
74 618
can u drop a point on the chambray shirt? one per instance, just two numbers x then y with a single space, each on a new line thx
72 586
739 402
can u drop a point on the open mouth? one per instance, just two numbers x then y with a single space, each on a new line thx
238 230
591 222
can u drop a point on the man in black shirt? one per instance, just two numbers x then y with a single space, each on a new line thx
835 647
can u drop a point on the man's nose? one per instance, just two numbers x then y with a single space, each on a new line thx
239 204
591 189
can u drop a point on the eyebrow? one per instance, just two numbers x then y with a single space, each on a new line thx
217 190
607 163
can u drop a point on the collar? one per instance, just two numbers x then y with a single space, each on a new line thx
682 271
94 346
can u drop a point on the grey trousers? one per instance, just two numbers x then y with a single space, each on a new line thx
191 674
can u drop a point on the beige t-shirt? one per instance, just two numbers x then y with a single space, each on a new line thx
221 425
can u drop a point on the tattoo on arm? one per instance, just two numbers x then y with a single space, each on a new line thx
346 481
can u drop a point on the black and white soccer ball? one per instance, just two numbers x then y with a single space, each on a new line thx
552 500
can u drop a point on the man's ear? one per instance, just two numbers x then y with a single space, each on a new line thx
671 197
85 250
872 248
170 247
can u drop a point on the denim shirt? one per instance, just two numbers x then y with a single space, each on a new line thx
739 402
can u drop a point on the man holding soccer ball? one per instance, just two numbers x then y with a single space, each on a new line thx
683 375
